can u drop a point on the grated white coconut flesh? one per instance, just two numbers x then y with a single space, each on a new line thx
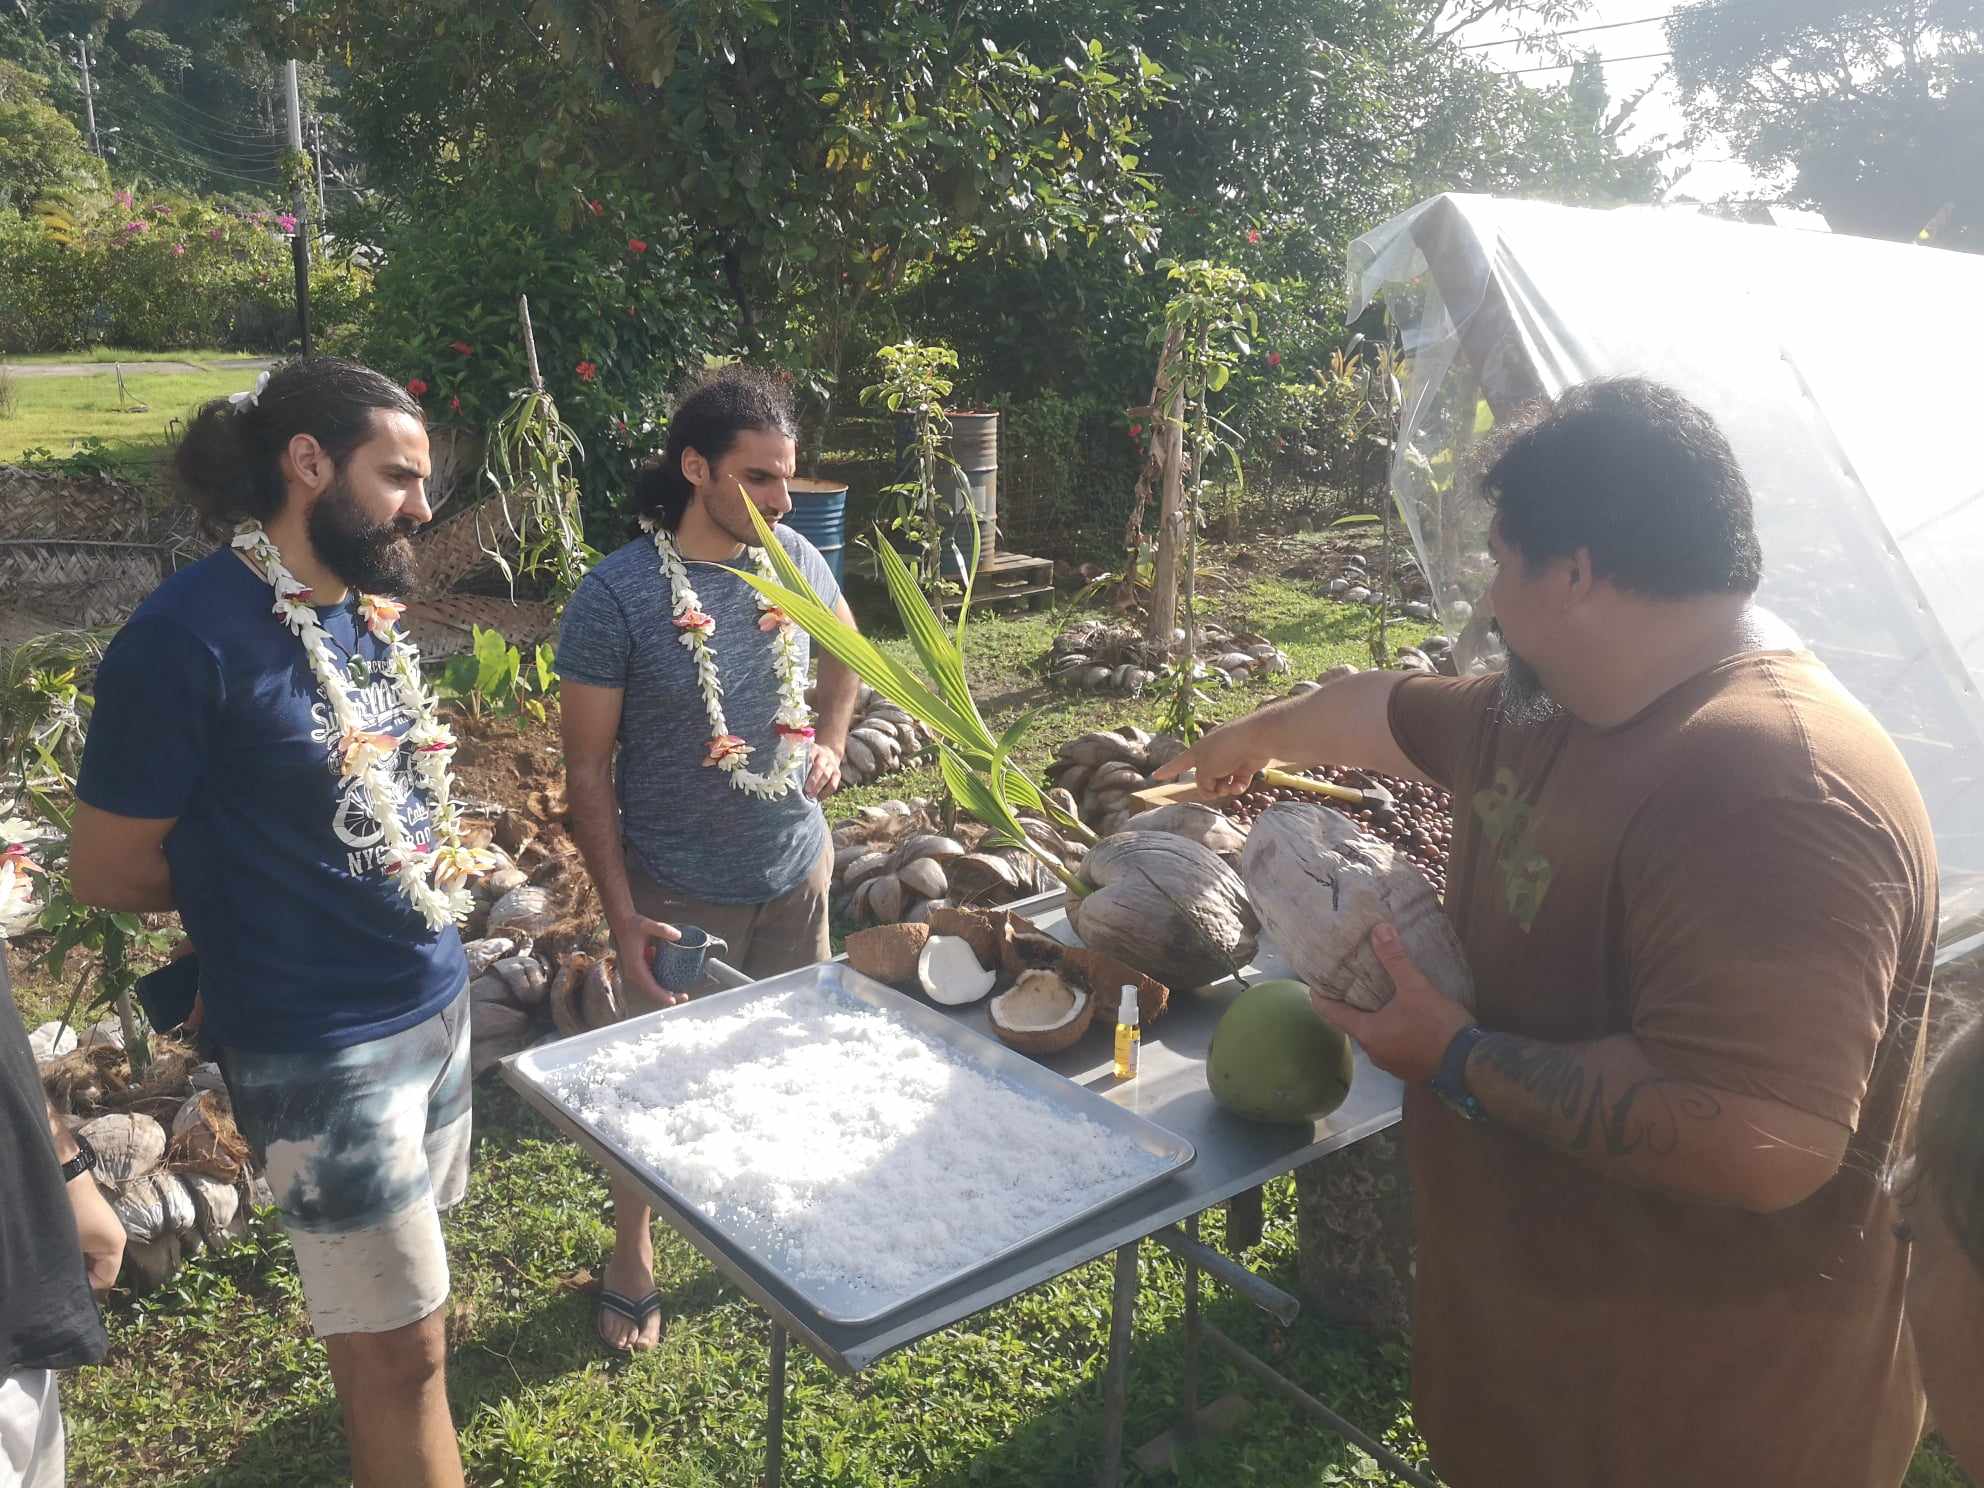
863 1154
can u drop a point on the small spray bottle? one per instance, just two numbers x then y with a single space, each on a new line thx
1127 1037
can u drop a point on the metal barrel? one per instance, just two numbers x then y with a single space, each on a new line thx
819 514
974 443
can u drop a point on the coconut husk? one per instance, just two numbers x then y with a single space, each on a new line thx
1105 978
598 1007
888 953
218 1206
1044 1041
205 1139
140 1206
88 1079
564 998
1024 947
980 928
499 1031
128 1145
150 1264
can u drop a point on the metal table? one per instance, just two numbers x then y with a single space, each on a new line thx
1234 1156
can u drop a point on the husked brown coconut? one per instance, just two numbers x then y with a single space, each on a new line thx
1167 907
887 952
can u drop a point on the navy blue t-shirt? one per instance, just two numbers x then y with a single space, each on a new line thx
207 711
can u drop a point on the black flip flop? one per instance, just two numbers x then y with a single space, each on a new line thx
636 1312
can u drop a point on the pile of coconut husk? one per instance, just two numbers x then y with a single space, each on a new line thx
897 862
1106 656
170 1160
880 740
1099 773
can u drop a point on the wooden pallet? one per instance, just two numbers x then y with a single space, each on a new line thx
1012 578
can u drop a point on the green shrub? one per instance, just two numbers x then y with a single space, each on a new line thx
159 273
618 310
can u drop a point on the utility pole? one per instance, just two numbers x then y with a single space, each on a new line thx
89 93
299 242
317 139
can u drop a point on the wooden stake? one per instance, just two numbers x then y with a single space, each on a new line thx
530 344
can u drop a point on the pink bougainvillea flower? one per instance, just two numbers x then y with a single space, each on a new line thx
178 250
636 245
587 371
1274 359
124 199
596 209
694 620
461 346
380 613
286 221
455 403
137 225
216 233
1253 235
792 731
724 747
417 386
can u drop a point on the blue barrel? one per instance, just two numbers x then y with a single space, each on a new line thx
819 514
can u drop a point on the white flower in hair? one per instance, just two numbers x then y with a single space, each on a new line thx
250 399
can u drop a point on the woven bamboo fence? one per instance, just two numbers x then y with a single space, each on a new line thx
84 551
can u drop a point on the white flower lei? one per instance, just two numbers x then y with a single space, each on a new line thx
433 881
793 720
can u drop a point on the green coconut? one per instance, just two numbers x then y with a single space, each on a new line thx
1273 1059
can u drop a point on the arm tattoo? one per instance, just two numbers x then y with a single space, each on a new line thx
1576 1110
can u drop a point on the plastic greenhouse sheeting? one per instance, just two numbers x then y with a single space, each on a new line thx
1848 374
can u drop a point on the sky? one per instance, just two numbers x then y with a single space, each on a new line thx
1707 174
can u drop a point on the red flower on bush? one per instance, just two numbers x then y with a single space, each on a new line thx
636 245
587 371
1274 359
596 208
417 386
286 221
1136 431
1253 235
455 403
216 233
178 250
461 346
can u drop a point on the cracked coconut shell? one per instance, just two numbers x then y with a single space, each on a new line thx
1320 886
887 952
1167 907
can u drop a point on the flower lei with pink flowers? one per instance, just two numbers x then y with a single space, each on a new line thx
793 721
434 880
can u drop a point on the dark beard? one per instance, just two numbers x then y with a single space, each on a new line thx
372 557
1523 699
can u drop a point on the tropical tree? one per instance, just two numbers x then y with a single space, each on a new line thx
1870 110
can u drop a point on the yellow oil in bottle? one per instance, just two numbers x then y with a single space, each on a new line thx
1128 1040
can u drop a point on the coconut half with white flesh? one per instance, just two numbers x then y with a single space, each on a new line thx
1042 1013
949 973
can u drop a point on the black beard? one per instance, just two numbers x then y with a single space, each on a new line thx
1523 699
371 557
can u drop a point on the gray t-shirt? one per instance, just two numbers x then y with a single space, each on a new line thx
684 824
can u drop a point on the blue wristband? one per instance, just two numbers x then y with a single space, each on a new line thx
1449 1081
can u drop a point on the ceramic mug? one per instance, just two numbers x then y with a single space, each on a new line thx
678 964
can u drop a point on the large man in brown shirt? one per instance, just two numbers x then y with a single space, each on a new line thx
1697 889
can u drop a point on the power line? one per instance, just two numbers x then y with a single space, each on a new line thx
1479 46
170 158
1582 61
198 119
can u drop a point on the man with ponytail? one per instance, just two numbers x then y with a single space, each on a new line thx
711 817
265 759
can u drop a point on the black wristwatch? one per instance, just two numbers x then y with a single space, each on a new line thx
1449 1081
82 1162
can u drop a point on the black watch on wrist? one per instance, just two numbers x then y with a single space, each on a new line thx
82 1162
1449 1081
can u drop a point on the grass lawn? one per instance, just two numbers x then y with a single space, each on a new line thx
217 1381
53 413
123 354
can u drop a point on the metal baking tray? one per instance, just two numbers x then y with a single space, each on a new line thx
838 1302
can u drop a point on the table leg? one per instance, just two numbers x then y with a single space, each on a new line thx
775 1410
1116 1377
1188 1415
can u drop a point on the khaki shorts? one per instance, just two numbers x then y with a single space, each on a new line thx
783 934
363 1148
